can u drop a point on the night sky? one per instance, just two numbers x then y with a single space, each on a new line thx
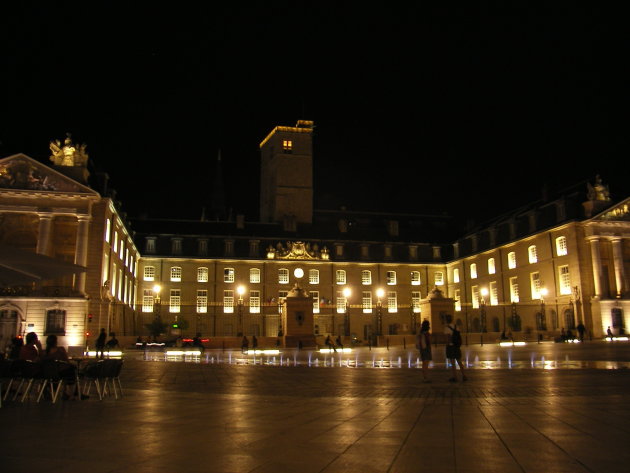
464 110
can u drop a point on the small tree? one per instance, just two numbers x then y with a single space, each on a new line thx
156 327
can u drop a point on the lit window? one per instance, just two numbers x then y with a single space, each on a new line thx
491 266
392 302
147 300
475 297
202 274
228 302
366 302
105 267
415 301
536 285
254 302
439 278
108 229
366 277
514 297
391 278
313 276
228 275
458 302
115 242
175 301
561 246
315 296
283 276
341 276
287 145
112 287
533 255
202 301
342 303
456 275
176 273
415 278
254 276
565 280
122 250
149 273
494 293
473 271
511 260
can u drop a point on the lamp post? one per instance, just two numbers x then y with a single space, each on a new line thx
156 301
543 321
484 293
346 320
239 330
379 313
413 315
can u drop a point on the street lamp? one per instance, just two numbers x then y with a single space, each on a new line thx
346 319
379 311
156 301
543 319
240 290
484 293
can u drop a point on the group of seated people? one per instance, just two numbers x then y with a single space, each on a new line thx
33 351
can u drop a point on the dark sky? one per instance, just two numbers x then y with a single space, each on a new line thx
466 110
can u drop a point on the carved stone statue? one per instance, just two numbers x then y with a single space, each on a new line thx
598 191
68 154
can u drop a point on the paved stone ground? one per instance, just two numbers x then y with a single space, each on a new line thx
265 418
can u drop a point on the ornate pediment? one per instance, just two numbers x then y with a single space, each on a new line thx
617 213
20 172
297 250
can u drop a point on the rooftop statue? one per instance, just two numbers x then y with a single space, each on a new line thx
598 191
68 154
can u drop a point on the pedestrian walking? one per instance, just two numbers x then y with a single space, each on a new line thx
453 349
581 329
100 344
423 343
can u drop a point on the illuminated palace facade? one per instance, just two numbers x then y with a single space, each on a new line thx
53 211
374 276
546 267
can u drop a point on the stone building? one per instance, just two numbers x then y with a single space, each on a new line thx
549 265
372 276
54 211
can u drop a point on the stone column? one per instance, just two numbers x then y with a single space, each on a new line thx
80 255
620 276
596 260
43 238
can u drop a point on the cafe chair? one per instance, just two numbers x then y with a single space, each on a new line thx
51 378
92 374
25 374
111 376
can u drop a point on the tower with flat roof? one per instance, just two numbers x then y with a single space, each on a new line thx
286 174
